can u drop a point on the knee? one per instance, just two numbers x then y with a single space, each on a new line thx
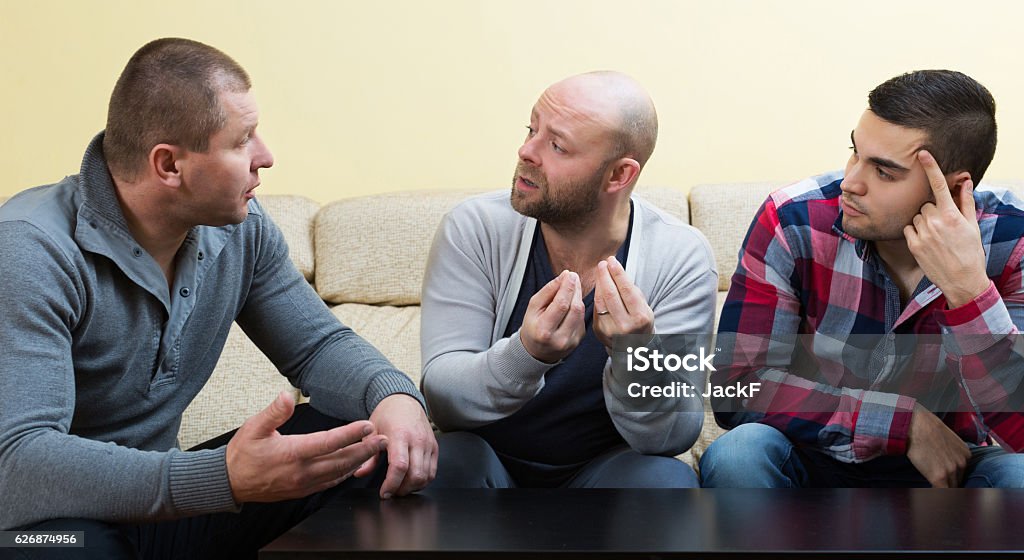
466 460
1003 471
737 457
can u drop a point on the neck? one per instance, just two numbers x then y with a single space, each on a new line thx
153 228
901 265
896 255
579 247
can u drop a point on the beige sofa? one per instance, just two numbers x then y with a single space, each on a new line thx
365 256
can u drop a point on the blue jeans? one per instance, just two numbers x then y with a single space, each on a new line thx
760 456
466 460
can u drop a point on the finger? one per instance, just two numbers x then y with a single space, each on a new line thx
398 466
561 305
266 422
367 467
435 454
632 298
562 296
317 444
344 462
910 234
937 180
611 299
967 206
543 297
416 478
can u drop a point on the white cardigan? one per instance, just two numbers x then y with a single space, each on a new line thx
473 376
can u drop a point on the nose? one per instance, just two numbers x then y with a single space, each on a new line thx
261 158
528 151
852 182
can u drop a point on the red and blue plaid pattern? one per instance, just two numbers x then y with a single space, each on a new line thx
806 296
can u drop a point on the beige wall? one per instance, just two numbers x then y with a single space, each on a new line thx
362 97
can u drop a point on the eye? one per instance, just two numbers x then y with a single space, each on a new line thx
557 148
530 131
883 175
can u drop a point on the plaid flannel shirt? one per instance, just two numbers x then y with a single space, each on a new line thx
806 293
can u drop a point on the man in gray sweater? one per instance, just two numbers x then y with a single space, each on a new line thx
120 285
523 296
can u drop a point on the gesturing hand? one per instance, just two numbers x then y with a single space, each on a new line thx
619 306
265 466
553 325
945 239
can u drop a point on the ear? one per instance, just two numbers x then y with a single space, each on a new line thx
624 174
955 181
165 164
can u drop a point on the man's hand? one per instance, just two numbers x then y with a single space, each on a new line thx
265 466
411 446
619 306
553 326
945 239
935 450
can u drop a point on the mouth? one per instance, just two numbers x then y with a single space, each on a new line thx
525 184
849 209
251 192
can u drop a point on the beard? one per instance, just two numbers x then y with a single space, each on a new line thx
569 204
889 226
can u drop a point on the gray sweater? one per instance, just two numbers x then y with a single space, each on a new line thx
473 376
98 358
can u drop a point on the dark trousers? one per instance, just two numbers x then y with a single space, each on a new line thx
218 535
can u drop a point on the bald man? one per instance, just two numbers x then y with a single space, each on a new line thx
523 296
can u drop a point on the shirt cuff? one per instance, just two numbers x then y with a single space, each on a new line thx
199 482
969 329
517 365
391 383
882 425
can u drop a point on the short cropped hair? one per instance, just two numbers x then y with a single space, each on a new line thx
957 114
637 133
168 93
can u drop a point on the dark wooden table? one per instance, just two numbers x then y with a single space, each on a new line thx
719 523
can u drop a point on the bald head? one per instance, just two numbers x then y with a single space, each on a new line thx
621 104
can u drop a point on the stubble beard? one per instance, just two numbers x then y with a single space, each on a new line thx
572 207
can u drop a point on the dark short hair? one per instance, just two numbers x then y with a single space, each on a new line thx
168 93
957 114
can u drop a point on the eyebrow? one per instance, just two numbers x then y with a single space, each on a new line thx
881 162
557 132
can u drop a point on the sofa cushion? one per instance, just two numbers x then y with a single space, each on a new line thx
373 249
294 215
395 331
723 214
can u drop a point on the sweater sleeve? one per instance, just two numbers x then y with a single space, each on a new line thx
46 472
467 381
344 375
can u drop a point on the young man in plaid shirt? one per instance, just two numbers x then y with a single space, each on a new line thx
879 309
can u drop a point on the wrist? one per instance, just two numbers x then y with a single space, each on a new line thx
961 295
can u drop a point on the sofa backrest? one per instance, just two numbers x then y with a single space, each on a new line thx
373 250
294 215
723 212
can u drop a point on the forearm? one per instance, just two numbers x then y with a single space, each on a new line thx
45 474
469 389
